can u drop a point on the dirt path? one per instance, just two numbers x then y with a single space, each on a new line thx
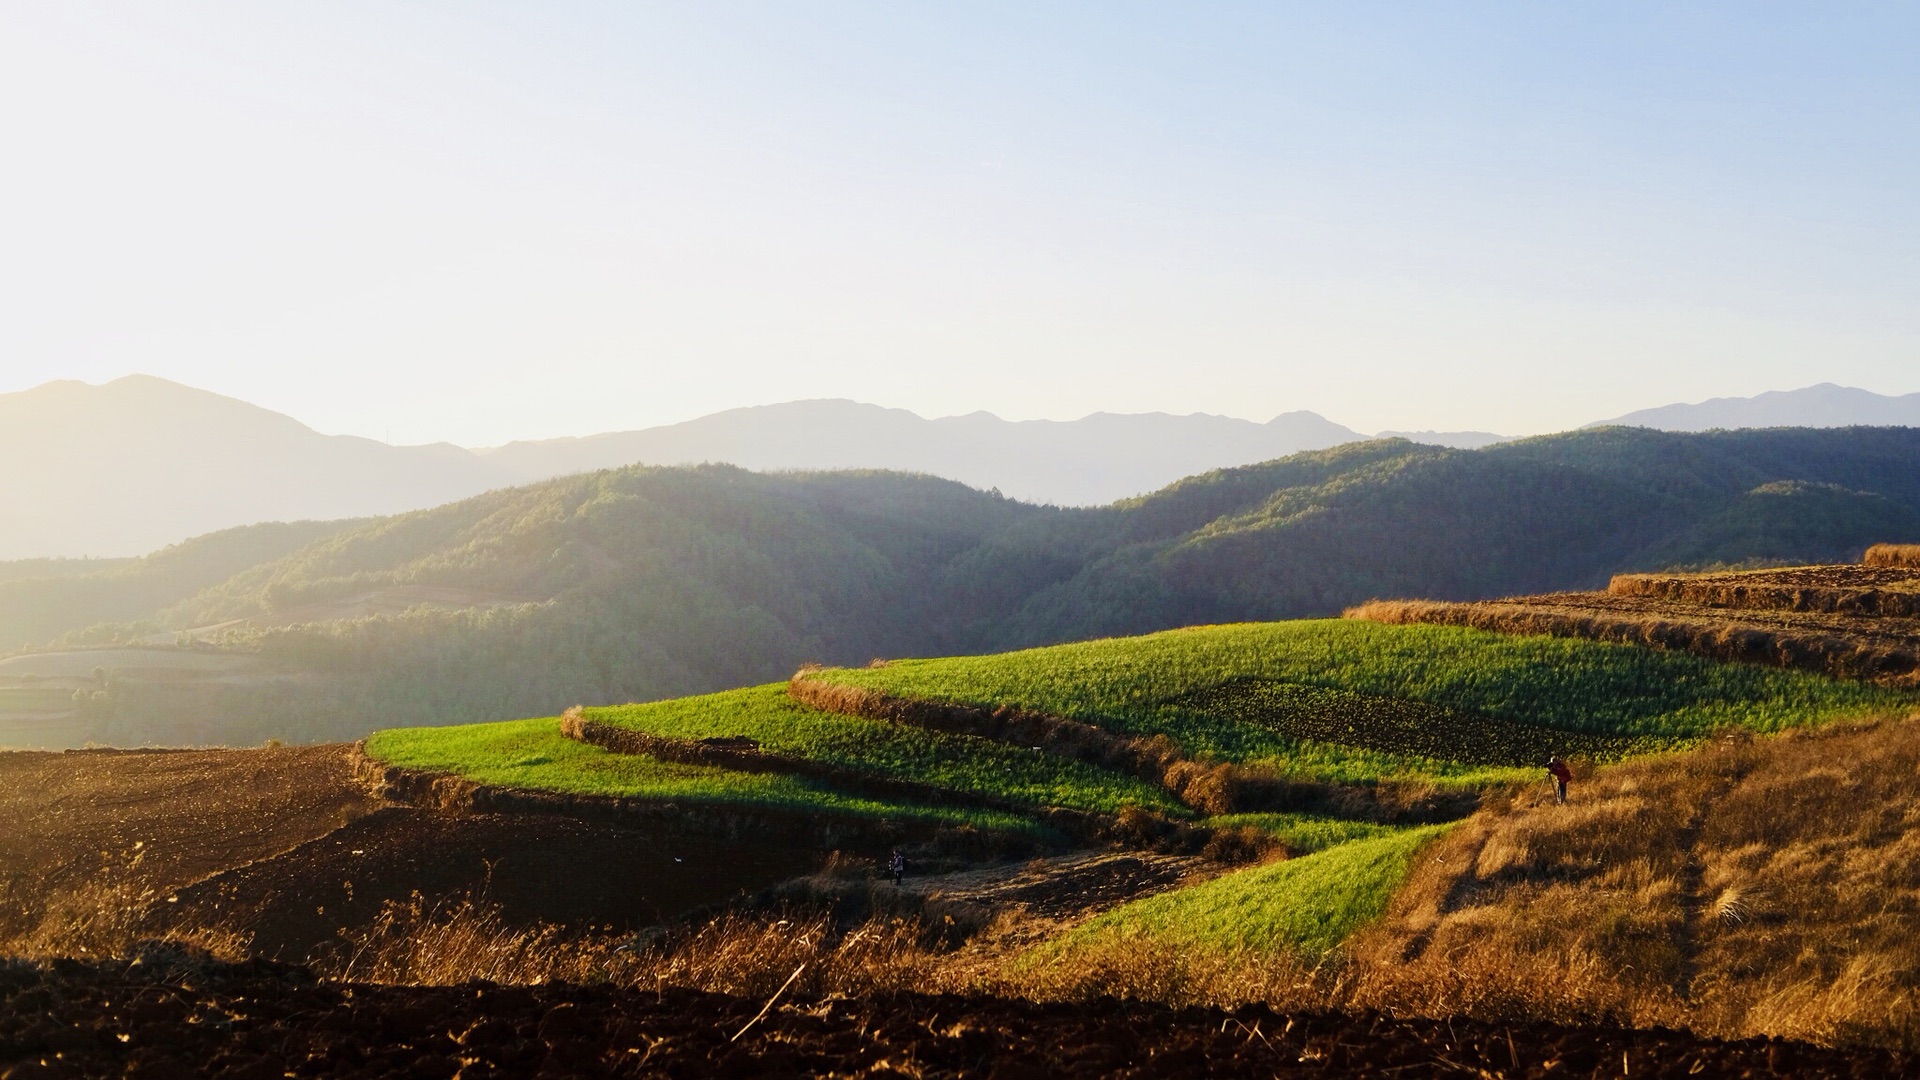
168 1018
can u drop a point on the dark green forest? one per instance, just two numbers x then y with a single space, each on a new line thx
642 583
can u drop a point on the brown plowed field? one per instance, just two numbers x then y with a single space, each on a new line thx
163 1019
163 819
284 846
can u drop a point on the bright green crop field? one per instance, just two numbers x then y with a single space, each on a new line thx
533 755
1306 906
960 762
1353 701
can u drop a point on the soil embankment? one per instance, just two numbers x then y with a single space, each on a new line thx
1849 622
1883 650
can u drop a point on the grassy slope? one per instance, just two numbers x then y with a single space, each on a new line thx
1584 686
1307 905
533 755
782 725
1304 834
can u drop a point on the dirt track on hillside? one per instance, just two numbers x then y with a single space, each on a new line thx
172 1017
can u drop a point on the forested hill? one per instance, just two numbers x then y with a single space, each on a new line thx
646 582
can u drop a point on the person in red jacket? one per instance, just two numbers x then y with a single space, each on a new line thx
1558 772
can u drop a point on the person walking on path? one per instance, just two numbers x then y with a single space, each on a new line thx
897 866
1558 772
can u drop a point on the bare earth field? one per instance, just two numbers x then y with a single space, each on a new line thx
163 819
170 1016
286 848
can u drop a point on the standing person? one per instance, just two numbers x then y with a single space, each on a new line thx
897 866
1558 772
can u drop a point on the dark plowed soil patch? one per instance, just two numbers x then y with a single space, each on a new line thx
164 818
263 1020
1066 886
537 868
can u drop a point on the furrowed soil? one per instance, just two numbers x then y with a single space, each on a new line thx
171 1016
163 819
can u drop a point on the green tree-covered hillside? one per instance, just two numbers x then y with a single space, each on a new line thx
643 583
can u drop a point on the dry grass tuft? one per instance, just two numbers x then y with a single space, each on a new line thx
1903 555
106 915
417 943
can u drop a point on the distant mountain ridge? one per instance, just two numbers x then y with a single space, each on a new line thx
1823 406
127 467
138 463
1091 461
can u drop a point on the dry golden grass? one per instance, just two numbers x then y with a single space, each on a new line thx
107 915
1863 593
416 943
1752 887
1893 555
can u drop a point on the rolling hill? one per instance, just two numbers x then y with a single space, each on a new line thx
648 582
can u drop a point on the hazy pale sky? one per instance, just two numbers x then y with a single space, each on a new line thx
481 221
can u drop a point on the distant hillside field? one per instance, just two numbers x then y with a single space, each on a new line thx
644 583
1376 704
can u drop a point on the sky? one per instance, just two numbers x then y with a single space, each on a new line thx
476 222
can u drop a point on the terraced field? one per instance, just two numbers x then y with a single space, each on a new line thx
1238 740
777 723
1846 621
1352 702
533 755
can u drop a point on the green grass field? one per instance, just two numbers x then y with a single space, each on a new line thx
1344 723
1303 834
533 755
1306 906
959 762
